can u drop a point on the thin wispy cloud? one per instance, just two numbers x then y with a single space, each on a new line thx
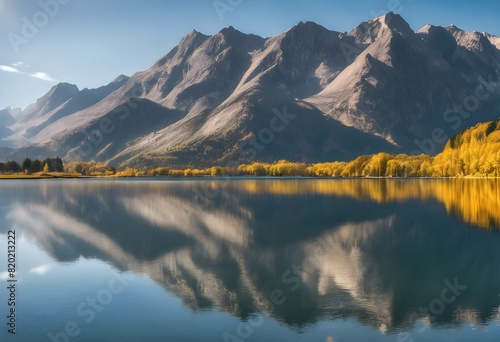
43 76
20 64
9 69
40 270
15 69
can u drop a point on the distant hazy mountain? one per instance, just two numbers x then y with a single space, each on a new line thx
62 100
308 94
7 118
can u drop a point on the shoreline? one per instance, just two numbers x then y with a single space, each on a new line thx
77 176
23 176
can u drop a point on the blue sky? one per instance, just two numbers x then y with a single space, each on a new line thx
90 42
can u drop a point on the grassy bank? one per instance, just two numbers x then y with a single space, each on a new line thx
41 175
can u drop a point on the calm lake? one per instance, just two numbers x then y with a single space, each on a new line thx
252 260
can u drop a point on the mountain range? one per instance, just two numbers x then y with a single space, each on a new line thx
308 94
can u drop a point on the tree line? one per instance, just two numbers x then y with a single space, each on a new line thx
29 166
474 152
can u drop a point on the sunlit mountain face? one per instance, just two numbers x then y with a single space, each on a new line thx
380 87
375 251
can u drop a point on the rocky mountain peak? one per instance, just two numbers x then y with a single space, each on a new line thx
120 78
306 35
396 22
305 29
453 28
387 24
382 79
227 31
59 94
191 42
235 37
64 87
495 40
7 116
193 38
472 41
229 35
186 46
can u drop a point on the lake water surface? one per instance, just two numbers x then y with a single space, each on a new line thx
252 260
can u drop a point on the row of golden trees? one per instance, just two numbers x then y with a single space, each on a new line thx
378 165
91 168
474 152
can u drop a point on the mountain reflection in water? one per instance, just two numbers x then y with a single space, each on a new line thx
373 250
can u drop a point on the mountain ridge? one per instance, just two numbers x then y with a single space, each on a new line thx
382 80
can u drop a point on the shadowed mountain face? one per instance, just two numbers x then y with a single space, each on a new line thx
7 118
367 250
394 88
62 100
